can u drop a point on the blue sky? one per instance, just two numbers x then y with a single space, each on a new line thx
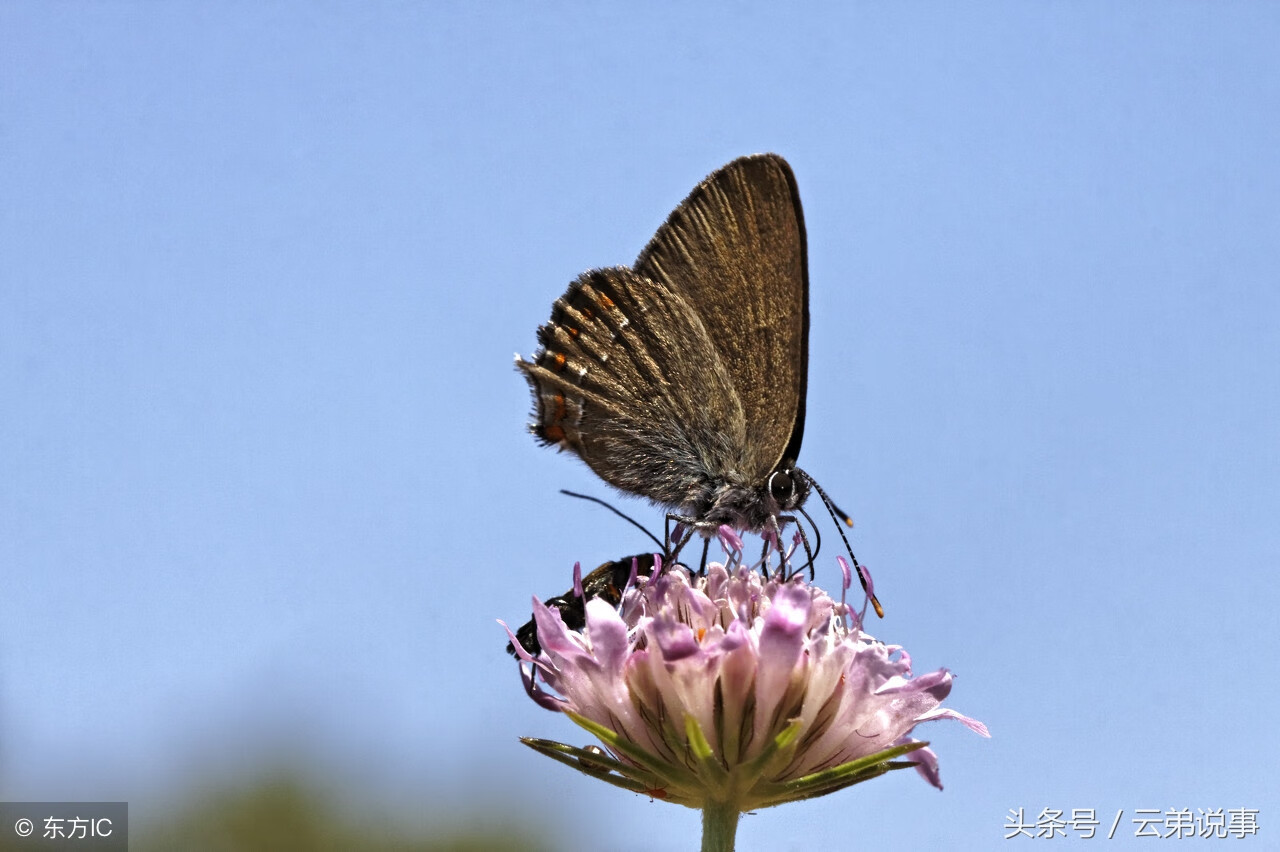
264 476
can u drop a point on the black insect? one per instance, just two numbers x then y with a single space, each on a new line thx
606 582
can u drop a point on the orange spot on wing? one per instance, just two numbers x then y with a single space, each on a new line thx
553 431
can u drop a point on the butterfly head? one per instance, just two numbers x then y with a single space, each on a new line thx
754 507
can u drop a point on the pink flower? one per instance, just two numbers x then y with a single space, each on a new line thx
732 691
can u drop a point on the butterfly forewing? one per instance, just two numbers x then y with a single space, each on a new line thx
735 248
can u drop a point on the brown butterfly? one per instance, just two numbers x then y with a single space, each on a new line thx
682 378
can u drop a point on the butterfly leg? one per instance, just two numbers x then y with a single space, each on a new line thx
690 524
670 556
804 539
772 534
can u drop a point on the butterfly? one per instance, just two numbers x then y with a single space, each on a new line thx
682 378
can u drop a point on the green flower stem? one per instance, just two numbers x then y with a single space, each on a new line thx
719 826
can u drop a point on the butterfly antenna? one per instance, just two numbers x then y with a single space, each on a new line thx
617 512
831 508
840 513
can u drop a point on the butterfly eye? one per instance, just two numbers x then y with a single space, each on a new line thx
781 488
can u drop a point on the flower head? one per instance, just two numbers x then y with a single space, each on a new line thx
732 689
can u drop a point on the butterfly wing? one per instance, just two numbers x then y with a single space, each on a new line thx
735 250
623 379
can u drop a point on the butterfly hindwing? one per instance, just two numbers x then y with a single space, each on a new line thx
628 379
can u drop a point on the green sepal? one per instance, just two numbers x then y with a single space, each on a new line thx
836 778
659 767
583 760
716 774
751 771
